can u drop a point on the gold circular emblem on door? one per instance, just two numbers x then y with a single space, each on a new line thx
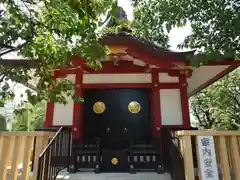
134 107
114 161
99 107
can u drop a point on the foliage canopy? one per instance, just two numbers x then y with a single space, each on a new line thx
215 35
50 32
218 106
28 117
215 25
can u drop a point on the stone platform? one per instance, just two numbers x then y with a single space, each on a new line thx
113 176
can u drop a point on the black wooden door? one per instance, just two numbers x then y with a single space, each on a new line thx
116 125
98 125
136 123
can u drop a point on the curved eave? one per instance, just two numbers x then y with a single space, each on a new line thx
207 74
142 45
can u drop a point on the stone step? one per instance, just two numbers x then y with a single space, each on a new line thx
113 176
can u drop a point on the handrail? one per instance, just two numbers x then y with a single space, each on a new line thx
56 156
173 160
53 130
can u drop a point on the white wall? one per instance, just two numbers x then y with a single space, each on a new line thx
165 78
63 114
127 78
117 78
171 108
170 101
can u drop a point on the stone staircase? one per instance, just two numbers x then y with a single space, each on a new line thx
63 175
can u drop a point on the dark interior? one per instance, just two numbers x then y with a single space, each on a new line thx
116 126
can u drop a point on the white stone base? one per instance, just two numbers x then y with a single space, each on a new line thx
113 176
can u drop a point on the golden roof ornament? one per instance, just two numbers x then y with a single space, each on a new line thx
117 49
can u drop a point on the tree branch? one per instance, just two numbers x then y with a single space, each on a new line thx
209 120
2 77
236 124
14 49
6 46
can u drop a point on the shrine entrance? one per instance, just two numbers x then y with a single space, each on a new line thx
116 116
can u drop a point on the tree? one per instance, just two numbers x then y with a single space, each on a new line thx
3 124
148 22
228 98
28 117
38 116
1 104
218 106
20 120
215 24
202 109
50 32
215 35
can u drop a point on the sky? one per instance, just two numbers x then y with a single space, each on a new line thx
176 36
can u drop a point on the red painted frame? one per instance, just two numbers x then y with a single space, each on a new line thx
78 69
109 68
49 114
78 108
155 86
184 101
50 109
155 103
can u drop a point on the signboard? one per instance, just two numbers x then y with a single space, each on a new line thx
207 158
